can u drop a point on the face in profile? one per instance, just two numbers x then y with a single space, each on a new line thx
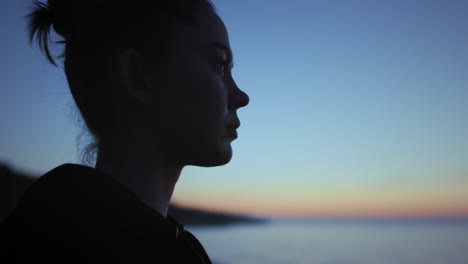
195 113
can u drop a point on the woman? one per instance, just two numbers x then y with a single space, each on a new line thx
152 80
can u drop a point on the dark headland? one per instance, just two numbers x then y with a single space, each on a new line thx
14 183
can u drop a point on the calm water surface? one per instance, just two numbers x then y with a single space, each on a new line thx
342 242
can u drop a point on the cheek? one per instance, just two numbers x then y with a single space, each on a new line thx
204 93
208 106
197 105
194 118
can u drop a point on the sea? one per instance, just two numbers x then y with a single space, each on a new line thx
309 241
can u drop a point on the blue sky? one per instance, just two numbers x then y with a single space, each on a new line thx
351 101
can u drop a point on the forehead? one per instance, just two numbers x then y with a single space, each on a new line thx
214 29
208 29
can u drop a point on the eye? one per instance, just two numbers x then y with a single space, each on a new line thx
221 67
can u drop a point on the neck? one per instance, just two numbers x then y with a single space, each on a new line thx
142 170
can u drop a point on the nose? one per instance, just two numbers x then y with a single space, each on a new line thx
238 98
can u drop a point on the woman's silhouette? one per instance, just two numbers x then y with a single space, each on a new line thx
152 80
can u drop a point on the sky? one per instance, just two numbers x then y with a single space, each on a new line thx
357 108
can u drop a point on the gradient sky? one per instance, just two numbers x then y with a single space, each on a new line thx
358 108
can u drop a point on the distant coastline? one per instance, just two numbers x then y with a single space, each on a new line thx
13 184
196 217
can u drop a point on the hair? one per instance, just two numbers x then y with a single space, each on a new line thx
91 31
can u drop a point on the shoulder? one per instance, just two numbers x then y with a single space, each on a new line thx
73 193
78 195
80 211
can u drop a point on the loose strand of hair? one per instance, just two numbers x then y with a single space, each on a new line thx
40 21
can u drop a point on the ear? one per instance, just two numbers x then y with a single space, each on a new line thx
133 76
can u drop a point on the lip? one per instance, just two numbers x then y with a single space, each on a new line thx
232 133
234 125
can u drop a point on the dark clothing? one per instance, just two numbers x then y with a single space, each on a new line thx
92 218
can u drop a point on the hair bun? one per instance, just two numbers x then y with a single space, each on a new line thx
62 17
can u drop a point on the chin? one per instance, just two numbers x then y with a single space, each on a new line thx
215 158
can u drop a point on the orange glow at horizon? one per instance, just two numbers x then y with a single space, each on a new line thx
331 202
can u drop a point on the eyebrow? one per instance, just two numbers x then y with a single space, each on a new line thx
223 47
